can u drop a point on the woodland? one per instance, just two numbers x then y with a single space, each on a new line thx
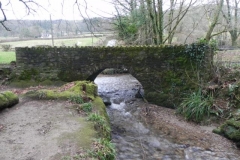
139 22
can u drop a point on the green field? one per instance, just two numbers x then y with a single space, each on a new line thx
57 42
7 57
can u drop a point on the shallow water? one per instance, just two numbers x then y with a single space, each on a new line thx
132 139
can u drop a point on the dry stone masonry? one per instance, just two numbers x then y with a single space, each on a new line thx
165 72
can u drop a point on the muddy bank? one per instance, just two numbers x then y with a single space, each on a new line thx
164 121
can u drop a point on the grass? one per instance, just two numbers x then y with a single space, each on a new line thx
103 150
196 107
100 124
76 99
57 42
7 57
86 107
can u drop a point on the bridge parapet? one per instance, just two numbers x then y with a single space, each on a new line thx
166 72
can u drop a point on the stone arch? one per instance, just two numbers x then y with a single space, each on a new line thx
98 71
165 72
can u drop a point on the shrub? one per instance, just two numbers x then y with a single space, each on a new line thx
196 107
6 47
212 43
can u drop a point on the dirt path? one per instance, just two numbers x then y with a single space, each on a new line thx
42 130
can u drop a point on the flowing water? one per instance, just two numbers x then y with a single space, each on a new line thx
132 139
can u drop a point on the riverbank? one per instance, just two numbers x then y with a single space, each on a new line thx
175 128
137 134
54 123
159 133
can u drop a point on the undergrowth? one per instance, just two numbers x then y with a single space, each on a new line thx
103 150
196 107
76 99
100 124
86 107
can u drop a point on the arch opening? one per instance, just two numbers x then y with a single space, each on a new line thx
118 70
115 87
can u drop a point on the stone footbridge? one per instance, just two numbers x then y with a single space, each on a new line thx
165 72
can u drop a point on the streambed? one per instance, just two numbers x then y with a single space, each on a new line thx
133 139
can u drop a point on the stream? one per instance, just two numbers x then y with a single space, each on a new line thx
132 139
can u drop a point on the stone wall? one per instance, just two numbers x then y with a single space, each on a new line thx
166 72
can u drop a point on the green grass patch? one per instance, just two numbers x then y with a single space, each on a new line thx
7 57
57 42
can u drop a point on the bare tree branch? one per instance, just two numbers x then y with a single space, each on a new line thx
223 31
28 4
4 18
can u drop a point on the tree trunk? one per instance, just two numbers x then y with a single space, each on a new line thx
214 22
234 38
153 20
170 21
160 21
232 23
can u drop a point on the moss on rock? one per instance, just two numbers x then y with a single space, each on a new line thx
230 129
3 101
8 99
29 74
161 99
82 89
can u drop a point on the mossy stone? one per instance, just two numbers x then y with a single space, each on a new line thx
8 99
233 123
161 99
230 129
100 107
3 101
29 74
217 131
80 89
47 82
12 98
231 132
